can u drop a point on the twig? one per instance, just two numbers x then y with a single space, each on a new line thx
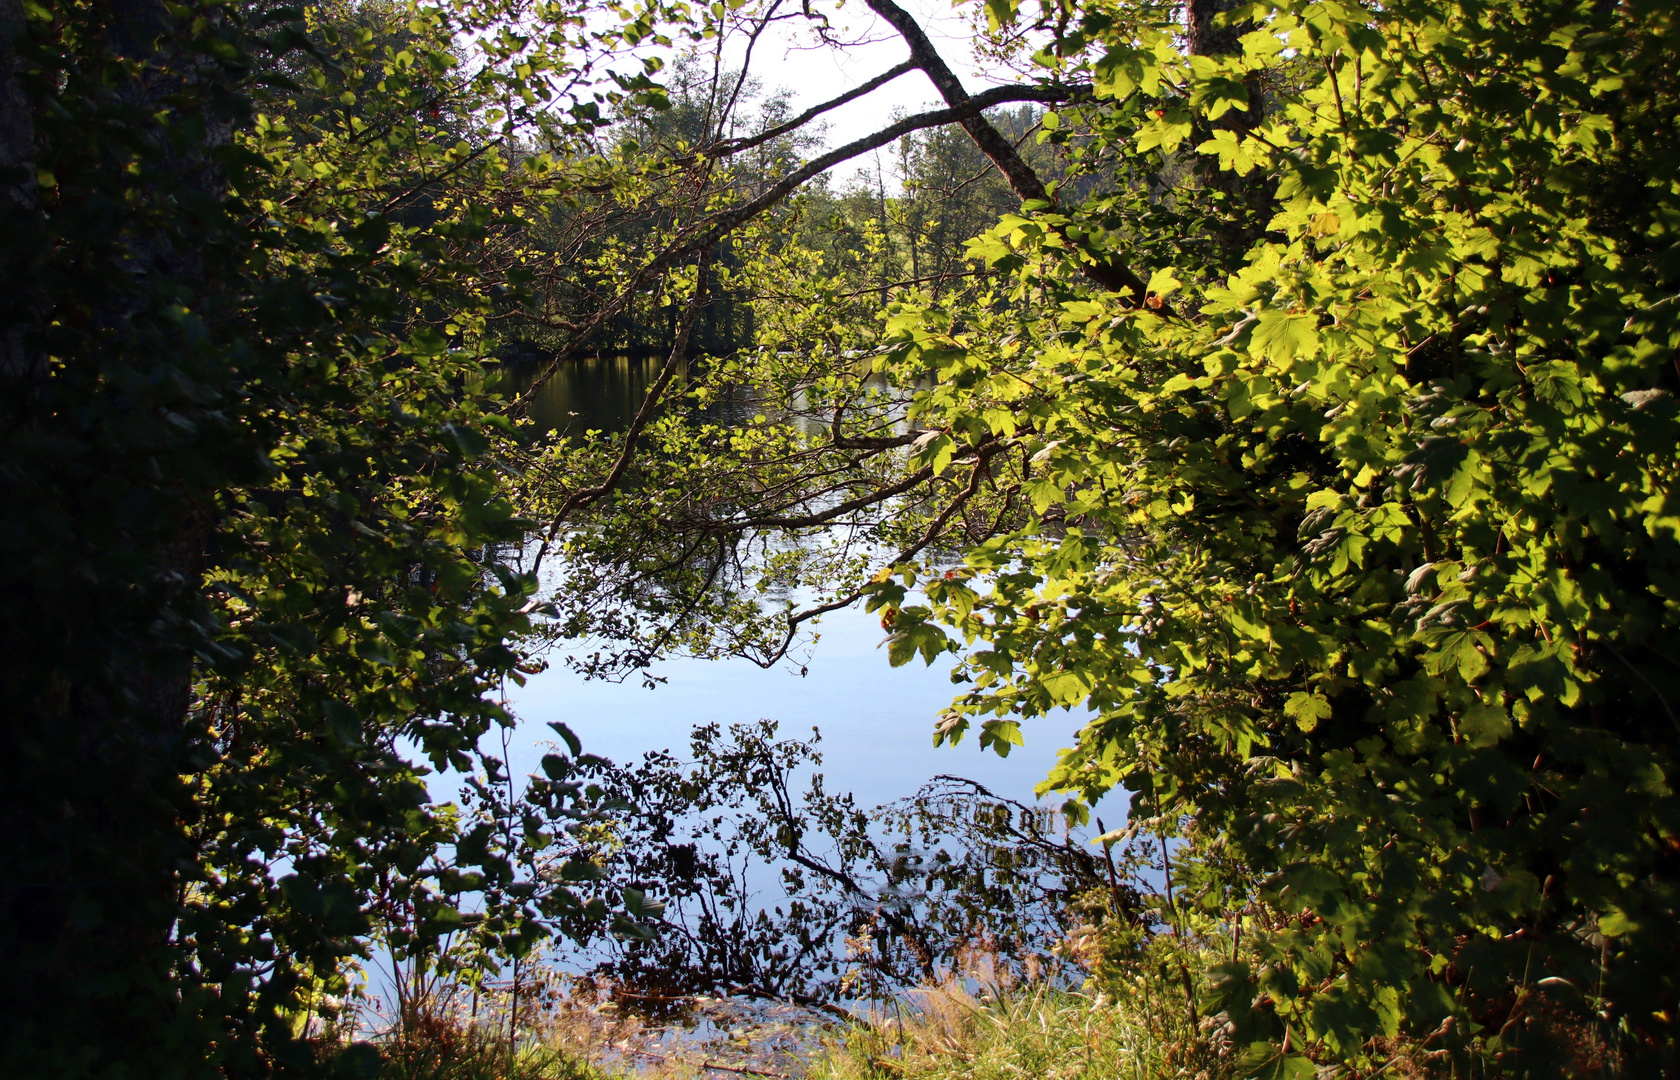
650 404
706 233
735 146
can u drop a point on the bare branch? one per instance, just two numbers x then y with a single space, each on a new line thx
841 441
929 535
746 66
735 146
808 521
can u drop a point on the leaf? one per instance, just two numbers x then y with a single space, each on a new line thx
573 743
1000 736
1263 1061
1307 709
1218 94
1065 687
1124 69
936 449
637 904
1169 127
1616 923
1484 725
1282 336
1162 282
1558 381
1226 145
1000 13
468 442
912 637
344 724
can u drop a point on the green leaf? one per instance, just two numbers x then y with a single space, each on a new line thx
1169 127
1283 336
1484 725
1065 687
1307 709
1263 1061
1616 923
1162 282
1000 736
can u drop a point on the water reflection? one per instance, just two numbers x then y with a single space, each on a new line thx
604 393
590 393
880 718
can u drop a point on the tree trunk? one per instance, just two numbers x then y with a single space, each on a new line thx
1243 203
97 594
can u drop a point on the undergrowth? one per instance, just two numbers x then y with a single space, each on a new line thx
1041 1032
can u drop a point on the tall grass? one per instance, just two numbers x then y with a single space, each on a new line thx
444 1047
950 1033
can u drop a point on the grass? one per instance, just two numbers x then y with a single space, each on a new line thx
947 1033
567 1035
938 1033
1142 1026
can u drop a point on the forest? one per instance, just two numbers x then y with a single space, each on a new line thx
1284 389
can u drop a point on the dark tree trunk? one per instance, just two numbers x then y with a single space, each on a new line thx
1243 203
96 601
20 366
1208 39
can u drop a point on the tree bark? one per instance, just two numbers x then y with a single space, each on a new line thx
97 597
1243 204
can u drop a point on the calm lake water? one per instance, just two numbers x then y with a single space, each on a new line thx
876 720
599 392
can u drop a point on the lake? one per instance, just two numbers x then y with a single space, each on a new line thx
876 721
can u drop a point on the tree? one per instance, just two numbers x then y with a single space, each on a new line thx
251 501
255 489
1323 449
1314 428
1361 548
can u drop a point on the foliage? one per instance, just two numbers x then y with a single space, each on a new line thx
1313 426
445 1045
1351 520
251 502
1361 544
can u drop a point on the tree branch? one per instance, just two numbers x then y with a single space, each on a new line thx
809 521
708 232
1111 276
735 146
929 535
650 404
841 441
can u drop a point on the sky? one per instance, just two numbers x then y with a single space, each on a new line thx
789 56
815 72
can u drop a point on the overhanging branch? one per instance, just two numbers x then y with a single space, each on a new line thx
1110 275
707 232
